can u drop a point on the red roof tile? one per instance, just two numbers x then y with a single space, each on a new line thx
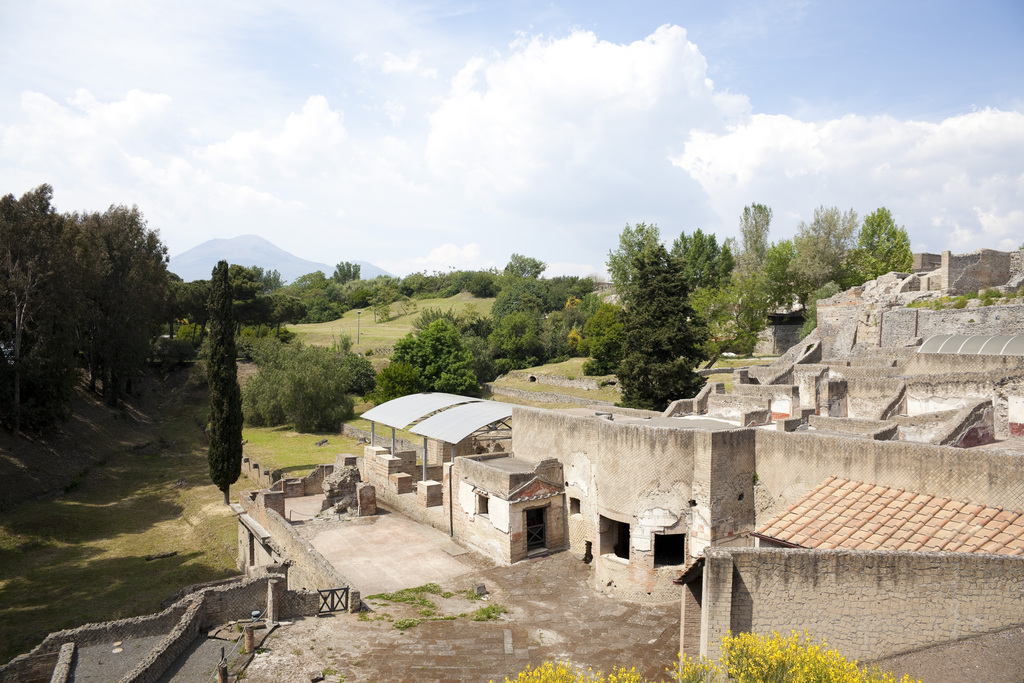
853 515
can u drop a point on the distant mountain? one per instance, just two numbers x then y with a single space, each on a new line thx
250 250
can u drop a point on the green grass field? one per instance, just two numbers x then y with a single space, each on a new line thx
380 336
81 558
294 452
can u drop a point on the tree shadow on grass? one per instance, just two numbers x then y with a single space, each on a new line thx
92 588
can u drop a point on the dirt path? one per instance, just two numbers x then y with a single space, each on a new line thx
553 615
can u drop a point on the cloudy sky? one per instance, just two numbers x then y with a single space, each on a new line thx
432 135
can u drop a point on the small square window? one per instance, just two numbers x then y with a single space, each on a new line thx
481 504
574 506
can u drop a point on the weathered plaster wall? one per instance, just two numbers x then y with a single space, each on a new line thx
867 605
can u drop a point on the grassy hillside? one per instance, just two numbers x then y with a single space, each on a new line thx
81 557
378 337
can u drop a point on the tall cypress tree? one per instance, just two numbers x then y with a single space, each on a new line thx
663 336
225 453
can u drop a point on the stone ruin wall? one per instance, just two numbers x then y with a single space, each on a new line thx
181 623
791 464
867 605
978 270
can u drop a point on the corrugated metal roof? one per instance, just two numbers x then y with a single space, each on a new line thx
405 410
456 423
978 344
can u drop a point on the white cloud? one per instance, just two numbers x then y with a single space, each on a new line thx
304 141
409 65
575 120
578 269
442 258
954 184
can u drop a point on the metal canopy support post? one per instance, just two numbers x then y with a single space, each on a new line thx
392 441
372 436
424 458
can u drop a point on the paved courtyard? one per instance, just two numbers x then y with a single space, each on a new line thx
553 614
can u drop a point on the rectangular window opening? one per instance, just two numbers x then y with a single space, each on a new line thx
669 550
614 538
481 504
574 506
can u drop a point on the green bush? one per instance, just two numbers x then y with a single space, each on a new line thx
305 387
168 353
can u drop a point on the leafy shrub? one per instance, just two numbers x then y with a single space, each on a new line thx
395 380
306 387
361 374
960 302
169 353
746 658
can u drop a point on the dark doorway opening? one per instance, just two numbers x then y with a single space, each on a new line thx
536 529
669 550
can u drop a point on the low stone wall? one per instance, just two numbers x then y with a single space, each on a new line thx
262 476
543 396
585 383
150 669
65 668
309 570
182 623
868 605
872 429
382 440
30 668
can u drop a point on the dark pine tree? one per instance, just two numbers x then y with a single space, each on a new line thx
225 453
663 337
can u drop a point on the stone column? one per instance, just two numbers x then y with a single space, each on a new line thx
273 592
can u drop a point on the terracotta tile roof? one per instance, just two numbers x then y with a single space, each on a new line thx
535 489
851 515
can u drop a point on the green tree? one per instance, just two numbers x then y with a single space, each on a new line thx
701 261
316 391
39 308
483 285
225 452
782 283
754 226
524 266
822 247
124 290
735 314
664 338
520 295
362 376
397 379
345 272
516 342
441 359
603 340
632 242
882 247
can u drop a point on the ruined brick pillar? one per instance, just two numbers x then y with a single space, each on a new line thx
355 602
273 593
